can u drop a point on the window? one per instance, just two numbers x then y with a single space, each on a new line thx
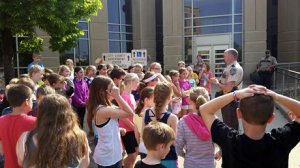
81 53
120 26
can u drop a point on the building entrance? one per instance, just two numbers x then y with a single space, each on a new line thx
212 48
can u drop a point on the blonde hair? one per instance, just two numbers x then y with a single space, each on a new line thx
62 68
162 93
34 69
89 68
129 77
199 96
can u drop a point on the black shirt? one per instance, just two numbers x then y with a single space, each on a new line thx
141 164
241 151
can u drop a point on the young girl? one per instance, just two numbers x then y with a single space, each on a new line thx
190 77
65 72
81 93
146 102
205 76
108 151
162 97
102 70
57 140
130 139
185 86
90 74
193 141
176 101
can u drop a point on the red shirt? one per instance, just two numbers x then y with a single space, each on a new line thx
11 127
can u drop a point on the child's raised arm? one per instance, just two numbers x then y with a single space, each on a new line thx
292 104
209 109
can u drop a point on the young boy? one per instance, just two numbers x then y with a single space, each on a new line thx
14 124
158 137
254 148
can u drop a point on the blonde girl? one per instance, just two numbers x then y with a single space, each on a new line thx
130 138
90 74
185 86
162 97
193 140
108 151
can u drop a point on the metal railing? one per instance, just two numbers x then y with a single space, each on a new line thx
287 79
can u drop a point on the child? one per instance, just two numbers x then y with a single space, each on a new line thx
36 74
81 93
131 137
69 76
190 77
57 82
108 152
146 102
14 124
185 86
41 92
162 97
193 140
90 74
205 76
117 75
57 140
158 138
176 101
101 70
254 148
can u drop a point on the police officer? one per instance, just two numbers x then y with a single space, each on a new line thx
230 80
265 69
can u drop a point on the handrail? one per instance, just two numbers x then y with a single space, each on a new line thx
287 79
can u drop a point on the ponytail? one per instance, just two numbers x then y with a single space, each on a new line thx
147 92
162 94
200 101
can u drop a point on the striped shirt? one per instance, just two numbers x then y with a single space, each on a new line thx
196 153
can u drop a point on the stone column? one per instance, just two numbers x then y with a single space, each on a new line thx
255 35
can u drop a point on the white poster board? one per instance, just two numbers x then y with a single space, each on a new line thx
123 60
139 57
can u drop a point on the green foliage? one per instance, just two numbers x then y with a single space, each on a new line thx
31 44
58 18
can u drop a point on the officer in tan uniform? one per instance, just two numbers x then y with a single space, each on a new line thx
265 69
230 80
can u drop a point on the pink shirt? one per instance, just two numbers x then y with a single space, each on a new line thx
184 85
11 127
131 102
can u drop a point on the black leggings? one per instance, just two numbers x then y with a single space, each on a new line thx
80 111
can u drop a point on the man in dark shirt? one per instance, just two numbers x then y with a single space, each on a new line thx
254 148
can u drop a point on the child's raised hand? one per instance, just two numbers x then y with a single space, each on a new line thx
114 92
243 93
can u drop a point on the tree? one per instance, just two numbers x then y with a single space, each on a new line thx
59 18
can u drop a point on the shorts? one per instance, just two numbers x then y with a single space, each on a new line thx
117 165
186 107
129 142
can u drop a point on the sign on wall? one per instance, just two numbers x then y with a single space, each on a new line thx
121 59
139 57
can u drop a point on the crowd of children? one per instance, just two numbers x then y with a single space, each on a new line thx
138 113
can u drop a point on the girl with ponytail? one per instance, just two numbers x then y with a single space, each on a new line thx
162 97
146 102
193 140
